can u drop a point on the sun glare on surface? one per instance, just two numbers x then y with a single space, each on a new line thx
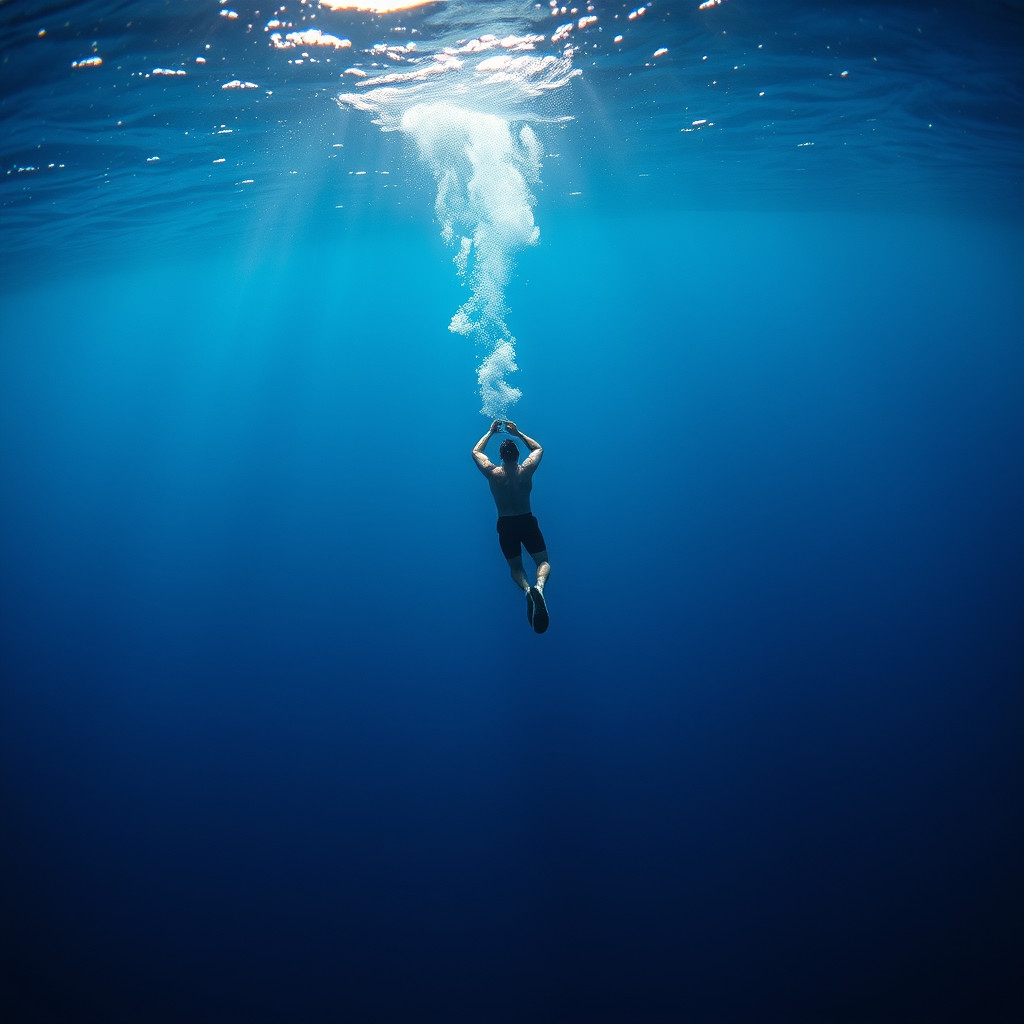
374 6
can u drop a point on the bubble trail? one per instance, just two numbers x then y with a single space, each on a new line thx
484 204
485 159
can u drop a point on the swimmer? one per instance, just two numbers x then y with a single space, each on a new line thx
510 485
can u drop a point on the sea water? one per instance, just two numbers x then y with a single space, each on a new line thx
278 741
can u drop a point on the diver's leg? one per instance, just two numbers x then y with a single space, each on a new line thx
543 569
536 604
515 566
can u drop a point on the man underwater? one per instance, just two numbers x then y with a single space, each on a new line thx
510 486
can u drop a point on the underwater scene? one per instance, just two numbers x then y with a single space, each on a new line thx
702 703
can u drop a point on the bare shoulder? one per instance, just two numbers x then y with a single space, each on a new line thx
532 461
484 464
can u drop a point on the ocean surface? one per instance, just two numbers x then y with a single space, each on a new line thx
277 742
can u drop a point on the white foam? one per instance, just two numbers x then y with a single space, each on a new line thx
484 204
470 123
310 37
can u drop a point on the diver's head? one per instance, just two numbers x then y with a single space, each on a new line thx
509 450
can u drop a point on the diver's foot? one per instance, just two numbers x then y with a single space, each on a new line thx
537 609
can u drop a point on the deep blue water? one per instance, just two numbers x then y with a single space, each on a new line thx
278 743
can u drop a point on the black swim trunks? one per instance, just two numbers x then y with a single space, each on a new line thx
516 530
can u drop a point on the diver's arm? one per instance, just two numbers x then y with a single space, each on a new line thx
528 441
534 446
483 463
536 451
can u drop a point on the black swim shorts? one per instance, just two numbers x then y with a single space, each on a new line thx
516 530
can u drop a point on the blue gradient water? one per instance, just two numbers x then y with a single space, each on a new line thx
278 743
